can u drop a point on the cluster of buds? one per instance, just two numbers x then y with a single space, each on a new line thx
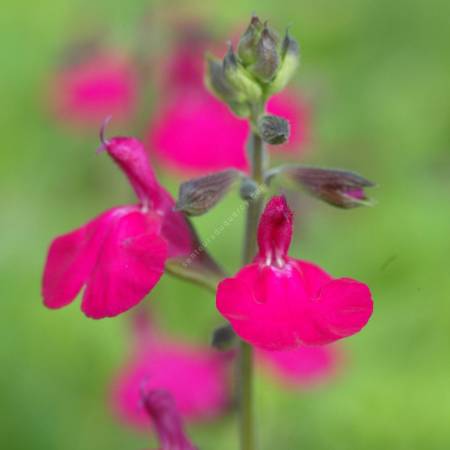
262 66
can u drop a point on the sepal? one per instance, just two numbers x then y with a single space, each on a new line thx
239 78
290 60
199 195
337 187
267 56
249 40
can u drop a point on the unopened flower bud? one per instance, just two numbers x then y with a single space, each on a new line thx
249 189
273 129
249 40
199 195
162 410
219 86
340 188
267 56
238 77
223 338
290 59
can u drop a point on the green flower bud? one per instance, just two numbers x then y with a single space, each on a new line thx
219 86
249 40
249 189
273 129
217 83
240 109
290 61
267 56
237 76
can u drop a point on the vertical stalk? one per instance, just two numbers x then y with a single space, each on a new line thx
246 419
245 381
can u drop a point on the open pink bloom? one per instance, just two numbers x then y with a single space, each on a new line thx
162 411
103 84
303 366
195 376
278 302
120 255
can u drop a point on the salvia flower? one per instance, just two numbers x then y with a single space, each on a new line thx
278 302
161 408
119 256
196 377
102 83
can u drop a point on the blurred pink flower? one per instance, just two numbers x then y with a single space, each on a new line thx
102 84
278 302
120 255
183 68
302 367
196 377
194 131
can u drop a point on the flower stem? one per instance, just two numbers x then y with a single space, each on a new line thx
246 425
247 435
256 148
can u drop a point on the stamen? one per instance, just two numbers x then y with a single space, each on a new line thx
280 262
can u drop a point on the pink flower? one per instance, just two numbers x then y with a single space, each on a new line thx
119 256
183 68
303 366
101 85
196 377
163 413
194 131
278 302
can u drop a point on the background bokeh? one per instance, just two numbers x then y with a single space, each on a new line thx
377 74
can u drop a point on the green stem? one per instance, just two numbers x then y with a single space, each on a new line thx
247 434
255 205
246 425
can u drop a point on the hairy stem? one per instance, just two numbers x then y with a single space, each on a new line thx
247 434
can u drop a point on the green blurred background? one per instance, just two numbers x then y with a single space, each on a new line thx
379 76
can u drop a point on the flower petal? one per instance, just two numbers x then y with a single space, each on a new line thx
262 305
314 277
70 260
130 263
184 128
343 307
346 306
303 366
